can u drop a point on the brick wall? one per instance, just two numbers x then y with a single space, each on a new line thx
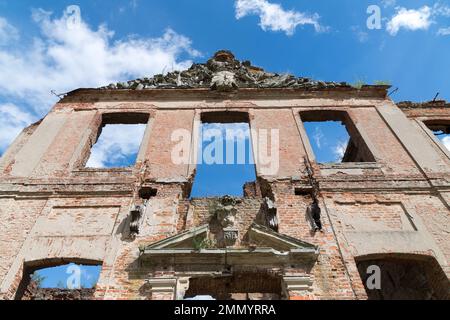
49 209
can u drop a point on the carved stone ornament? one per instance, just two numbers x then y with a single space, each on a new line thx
230 235
136 213
226 212
224 81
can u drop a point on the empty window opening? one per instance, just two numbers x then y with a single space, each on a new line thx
442 131
146 193
63 282
304 192
225 157
118 142
71 276
334 138
391 278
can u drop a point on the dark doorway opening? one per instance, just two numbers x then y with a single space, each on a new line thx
405 278
237 286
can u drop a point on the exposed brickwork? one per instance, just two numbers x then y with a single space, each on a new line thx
54 211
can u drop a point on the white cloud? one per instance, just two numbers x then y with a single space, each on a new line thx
446 142
420 19
388 3
134 4
361 35
12 121
440 9
410 19
116 145
8 33
70 54
444 31
273 17
318 137
339 150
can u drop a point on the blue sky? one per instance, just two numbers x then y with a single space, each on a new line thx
329 140
223 177
117 146
124 39
58 277
341 52
52 45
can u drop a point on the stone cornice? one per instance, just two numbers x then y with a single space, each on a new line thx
87 95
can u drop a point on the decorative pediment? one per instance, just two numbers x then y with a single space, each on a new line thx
194 248
184 240
266 237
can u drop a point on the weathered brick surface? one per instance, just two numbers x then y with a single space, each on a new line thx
17 219
52 211
161 145
57 159
388 149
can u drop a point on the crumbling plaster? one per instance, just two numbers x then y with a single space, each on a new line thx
51 207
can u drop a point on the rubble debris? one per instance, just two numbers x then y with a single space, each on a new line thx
223 73
428 104
34 292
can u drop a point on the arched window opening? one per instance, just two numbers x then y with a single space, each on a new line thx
403 278
59 281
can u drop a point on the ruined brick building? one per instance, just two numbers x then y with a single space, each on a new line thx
386 204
